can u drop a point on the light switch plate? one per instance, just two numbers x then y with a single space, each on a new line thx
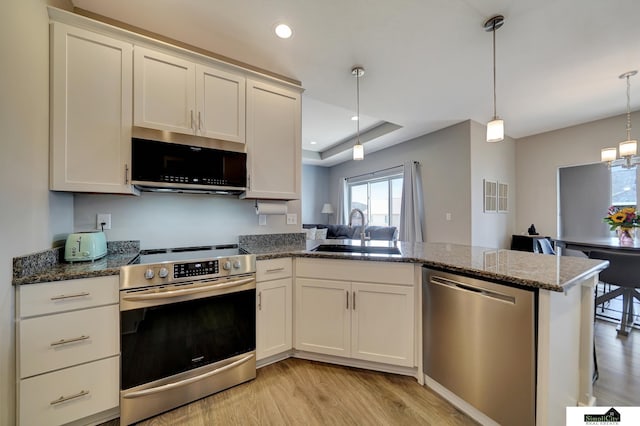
292 218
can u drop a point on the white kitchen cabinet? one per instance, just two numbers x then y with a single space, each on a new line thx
274 307
91 94
339 313
274 153
178 95
68 351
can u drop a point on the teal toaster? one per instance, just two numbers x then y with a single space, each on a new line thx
82 246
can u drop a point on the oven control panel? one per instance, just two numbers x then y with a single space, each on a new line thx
195 269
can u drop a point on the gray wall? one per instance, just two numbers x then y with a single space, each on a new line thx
539 157
445 159
315 192
585 196
496 162
31 217
177 220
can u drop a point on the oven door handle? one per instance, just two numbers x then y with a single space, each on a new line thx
186 291
185 382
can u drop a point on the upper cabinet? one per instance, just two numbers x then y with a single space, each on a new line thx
91 93
177 95
274 154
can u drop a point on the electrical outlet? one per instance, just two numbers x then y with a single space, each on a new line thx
292 218
103 218
448 216
262 219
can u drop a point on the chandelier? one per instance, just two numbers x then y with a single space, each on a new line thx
628 149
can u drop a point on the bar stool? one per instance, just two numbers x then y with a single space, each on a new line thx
624 272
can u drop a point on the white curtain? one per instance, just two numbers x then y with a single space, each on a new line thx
412 208
343 212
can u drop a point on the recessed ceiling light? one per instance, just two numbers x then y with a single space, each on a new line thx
283 31
354 118
313 142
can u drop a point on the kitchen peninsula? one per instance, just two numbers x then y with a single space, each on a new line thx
563 287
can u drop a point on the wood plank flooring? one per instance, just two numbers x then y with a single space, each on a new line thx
296 392
299 392
618 360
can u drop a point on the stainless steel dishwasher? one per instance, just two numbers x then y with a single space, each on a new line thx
479 343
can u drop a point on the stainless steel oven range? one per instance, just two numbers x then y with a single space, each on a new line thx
187 327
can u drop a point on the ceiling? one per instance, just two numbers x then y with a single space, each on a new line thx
428 63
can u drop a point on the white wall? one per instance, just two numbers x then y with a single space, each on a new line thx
31 217
315 192
492 161
445 159
161 220
538 158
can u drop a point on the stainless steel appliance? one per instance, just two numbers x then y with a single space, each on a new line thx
163 166
187 327
479 343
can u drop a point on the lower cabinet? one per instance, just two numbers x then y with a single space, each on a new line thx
372 321
273 307
68 351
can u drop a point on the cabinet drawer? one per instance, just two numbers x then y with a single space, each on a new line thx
62 340
90 388
273 269
52 297
354 270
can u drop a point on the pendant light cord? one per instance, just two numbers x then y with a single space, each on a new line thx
628 108
358 106
494 70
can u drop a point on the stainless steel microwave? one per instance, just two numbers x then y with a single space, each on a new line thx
172 167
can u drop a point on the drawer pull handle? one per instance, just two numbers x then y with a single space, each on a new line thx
67 398
275 269
65 341
70 296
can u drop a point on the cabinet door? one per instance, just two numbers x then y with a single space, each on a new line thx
273 317
164 92
220 97
323 316
383 323
273 142
90 111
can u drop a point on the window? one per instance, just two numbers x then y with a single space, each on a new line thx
378 195
623 186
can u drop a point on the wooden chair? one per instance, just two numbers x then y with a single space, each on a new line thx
624 272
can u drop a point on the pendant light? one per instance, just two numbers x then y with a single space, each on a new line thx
495 128
628 148
358 148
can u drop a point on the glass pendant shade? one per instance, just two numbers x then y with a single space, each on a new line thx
608 154
358 152
628 148
495 130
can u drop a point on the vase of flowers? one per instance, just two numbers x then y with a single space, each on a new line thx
623 220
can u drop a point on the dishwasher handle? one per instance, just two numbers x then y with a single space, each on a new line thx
435 279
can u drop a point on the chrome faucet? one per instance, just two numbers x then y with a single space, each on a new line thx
363 237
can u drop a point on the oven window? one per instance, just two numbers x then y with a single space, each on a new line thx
161 341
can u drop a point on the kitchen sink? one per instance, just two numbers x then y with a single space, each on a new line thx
341 248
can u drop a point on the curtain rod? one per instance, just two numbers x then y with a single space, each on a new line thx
378 171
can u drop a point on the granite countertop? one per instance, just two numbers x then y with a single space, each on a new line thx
555 273
48 265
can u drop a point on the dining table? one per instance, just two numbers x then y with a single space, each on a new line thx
624 269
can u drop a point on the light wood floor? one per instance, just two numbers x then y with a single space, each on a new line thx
299 392
618 360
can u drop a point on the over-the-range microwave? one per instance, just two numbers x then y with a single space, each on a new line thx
163 166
